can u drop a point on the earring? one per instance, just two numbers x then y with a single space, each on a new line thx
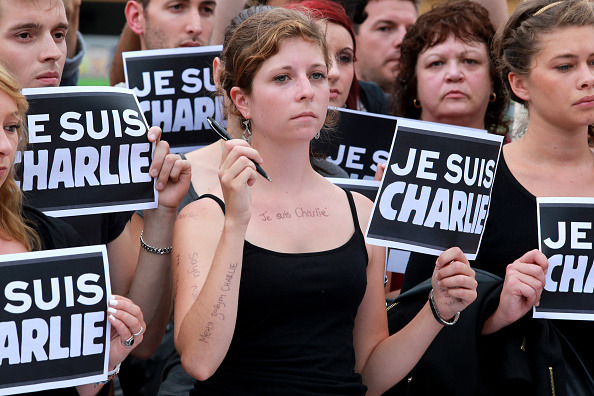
493 97
247 134
317 135
416 103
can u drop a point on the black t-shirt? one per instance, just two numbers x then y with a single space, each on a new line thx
54 233
99 229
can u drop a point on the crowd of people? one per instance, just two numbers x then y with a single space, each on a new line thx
297 306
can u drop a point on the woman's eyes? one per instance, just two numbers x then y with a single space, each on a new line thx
345 59
467 61
318 76
315 76
12 128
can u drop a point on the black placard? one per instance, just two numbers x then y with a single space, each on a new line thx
88 152
369 188
176 92
53 320
358 143
566 237
436 190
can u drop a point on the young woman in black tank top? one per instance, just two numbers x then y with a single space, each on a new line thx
276 290
545 52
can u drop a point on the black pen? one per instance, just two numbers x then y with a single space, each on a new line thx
225 136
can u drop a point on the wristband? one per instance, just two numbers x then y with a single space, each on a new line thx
436 314
152 249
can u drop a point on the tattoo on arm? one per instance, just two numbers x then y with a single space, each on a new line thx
220 305
192 216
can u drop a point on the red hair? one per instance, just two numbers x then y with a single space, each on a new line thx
334 12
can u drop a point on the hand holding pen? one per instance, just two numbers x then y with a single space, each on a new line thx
215 126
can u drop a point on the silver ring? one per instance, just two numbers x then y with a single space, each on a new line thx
139 332
129 342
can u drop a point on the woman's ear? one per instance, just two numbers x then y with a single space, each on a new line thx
241 101
518 85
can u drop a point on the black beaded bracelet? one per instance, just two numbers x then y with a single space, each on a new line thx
152 249
436 314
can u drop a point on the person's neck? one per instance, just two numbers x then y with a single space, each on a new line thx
555 145
287 165
468 122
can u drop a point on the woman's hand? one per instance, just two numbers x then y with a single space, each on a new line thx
524 281
454 286
379 171
237 174
173 174
127 329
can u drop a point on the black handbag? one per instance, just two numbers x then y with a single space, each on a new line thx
529 357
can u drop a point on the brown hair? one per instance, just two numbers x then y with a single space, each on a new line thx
258 39
468 22
517 42
12 223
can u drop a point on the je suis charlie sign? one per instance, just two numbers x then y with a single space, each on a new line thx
176 92
358 143
88 152
566 237
436 189
54 331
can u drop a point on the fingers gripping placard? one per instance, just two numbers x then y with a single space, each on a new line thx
53 320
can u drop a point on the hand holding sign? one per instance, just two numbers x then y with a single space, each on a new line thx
524 281
173 174
127 321
454 286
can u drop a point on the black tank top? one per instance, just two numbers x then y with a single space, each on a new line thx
295 320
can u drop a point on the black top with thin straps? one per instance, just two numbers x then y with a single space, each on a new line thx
295 320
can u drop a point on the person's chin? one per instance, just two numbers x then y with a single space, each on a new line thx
45 83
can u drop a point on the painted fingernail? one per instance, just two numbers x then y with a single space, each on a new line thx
112 318
159 186
113 302
112 310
